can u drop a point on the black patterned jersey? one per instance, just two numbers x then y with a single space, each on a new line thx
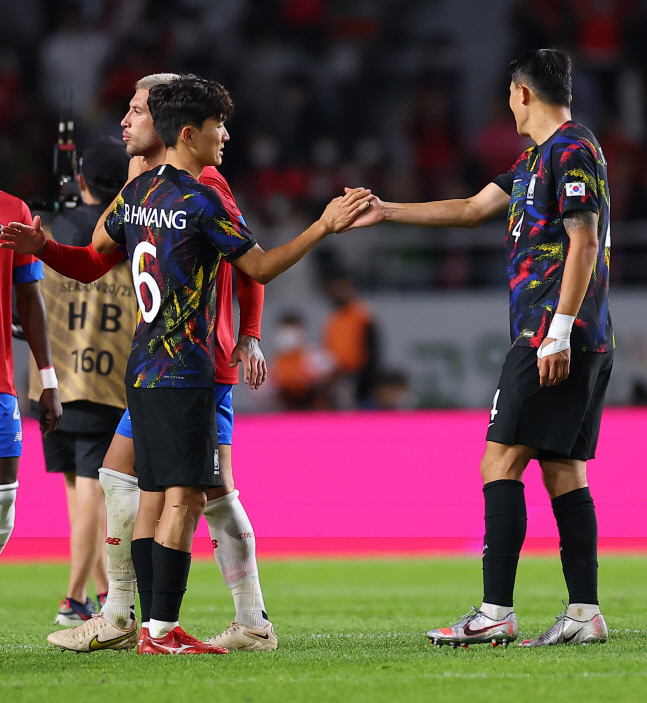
568 172
176 231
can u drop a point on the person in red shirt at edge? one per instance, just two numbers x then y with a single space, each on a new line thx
229 527
23 273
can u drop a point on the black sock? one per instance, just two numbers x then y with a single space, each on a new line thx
171 570
505 531
141 552
578 544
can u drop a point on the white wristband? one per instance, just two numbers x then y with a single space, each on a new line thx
559 330
48 378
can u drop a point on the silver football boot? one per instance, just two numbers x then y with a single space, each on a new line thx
568 630
476 627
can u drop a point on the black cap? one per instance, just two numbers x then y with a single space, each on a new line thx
104 164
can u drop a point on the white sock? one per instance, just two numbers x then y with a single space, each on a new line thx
158 628
235 551
7 511
496 612
582 611
122 501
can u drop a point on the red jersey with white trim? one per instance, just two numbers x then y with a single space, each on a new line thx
14 268
250 292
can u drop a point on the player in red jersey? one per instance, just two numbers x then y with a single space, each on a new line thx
23 272
229 527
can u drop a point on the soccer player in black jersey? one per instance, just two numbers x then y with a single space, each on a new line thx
548 402
176 231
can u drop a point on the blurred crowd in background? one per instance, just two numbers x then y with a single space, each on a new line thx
407 98
327 92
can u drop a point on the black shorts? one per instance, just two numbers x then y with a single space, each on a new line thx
81 452
560 421
175 436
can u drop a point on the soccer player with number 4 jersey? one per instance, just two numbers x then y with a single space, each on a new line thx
548 404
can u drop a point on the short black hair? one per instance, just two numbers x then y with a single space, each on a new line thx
104 165
187 100
547 72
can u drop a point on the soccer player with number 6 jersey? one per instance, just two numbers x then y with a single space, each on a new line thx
229 526
548 404
176 231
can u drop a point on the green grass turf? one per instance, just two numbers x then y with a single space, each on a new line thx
350 630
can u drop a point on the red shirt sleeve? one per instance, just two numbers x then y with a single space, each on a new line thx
251 295
83 264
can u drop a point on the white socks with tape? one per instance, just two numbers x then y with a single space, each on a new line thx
235 551
7 511
122 501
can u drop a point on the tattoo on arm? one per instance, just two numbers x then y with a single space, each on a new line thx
579 219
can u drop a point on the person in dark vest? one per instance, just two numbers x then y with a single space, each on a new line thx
91 329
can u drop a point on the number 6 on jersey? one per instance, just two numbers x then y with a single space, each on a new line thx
142 278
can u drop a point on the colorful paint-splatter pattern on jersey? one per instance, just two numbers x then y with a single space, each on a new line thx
176 231
568 172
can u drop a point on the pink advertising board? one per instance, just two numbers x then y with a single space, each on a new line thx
370 483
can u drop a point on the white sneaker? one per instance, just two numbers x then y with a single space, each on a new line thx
93 635
476 627
571 631
251 639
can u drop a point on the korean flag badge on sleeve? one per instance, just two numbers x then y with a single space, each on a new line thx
575 189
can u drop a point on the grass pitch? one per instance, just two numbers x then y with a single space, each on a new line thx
349 630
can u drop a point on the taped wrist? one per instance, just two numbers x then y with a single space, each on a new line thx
48 377
560 331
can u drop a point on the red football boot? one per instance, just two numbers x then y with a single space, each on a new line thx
177 641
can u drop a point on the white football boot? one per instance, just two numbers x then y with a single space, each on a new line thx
93 635
251 639
476 627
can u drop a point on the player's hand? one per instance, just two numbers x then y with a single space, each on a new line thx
249 354
136 166
22 238
373 215
51 411
341 211
554 368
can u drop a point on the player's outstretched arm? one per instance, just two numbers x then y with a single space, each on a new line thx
24 238
465 212
83 264
263 266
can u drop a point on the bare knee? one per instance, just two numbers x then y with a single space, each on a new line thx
8 469
183 508
121 455
505 461
562 476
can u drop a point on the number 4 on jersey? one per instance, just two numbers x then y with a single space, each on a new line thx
516 231
494 412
